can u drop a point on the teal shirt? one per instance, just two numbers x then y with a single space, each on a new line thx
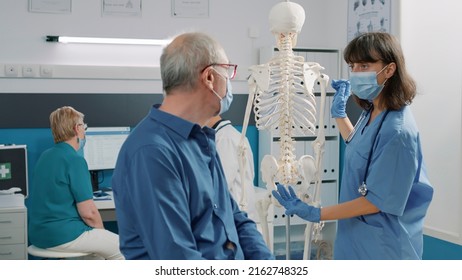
61 180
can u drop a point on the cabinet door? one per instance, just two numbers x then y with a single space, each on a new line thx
11 219
13 234
12 252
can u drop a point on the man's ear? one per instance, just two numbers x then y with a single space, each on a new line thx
208 77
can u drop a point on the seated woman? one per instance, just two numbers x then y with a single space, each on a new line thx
61 211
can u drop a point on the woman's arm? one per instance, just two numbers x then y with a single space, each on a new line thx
344 126
90 214
353 208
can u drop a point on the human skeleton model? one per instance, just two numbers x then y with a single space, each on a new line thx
281 92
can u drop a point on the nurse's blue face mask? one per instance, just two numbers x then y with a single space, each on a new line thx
82 141
364 84
81 145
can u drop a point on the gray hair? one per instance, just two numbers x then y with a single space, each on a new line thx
185 57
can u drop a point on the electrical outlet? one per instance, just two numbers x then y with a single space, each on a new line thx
254 32
46 71
29 71
11 70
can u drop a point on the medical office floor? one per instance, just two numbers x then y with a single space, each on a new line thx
320 250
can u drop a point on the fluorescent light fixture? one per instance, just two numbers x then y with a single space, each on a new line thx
95 40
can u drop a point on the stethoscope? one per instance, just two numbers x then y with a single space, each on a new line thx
357 125
362 189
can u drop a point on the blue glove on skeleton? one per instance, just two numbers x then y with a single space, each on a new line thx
294 205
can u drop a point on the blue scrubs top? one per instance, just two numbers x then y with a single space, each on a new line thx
61 180
397 184
172 199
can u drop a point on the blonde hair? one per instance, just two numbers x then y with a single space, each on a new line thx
63 121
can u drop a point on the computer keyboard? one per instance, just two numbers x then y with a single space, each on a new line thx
101 195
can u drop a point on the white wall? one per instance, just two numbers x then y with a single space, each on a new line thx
23 40
430 37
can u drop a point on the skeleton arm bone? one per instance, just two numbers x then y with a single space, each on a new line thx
269 169
318 147
242 167
242 147
262 206
318 144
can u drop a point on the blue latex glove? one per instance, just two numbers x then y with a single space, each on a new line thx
294 205
343 92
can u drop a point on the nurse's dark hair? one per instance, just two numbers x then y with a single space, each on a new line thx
400 89
183 59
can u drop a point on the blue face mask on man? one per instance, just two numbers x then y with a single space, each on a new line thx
364 84
225 102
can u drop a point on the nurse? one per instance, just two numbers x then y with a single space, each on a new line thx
385 192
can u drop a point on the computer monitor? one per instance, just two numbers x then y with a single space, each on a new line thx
102 148
13 168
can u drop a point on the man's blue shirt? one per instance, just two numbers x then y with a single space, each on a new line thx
171 196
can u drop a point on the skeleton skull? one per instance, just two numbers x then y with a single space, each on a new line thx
286 19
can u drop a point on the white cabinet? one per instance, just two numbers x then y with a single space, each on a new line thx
269 144
13 233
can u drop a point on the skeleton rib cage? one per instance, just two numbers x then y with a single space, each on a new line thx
288 105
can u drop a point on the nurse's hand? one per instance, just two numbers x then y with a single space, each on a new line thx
342 93
294 205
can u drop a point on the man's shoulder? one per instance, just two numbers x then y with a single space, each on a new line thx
149 138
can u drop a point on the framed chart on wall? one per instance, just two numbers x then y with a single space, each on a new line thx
368 16
47 6
121 8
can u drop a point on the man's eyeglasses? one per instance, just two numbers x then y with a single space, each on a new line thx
230 68
85 126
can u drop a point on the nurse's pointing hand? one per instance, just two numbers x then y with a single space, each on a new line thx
294 205
342 93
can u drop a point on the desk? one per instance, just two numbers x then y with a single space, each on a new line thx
106 208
